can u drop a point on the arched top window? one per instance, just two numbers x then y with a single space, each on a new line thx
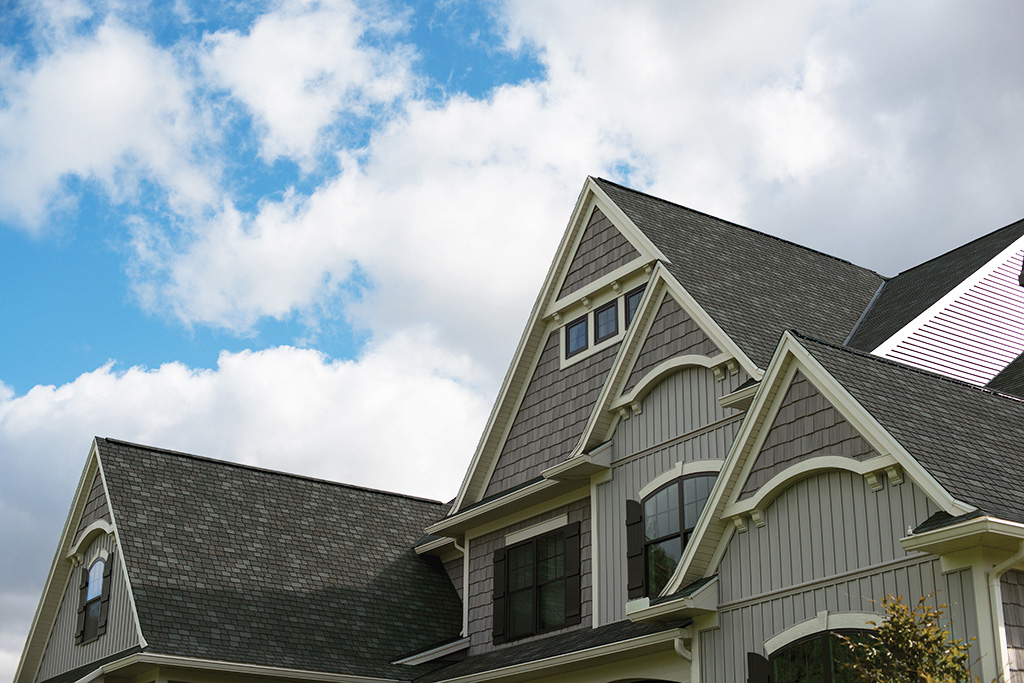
94 601
820 657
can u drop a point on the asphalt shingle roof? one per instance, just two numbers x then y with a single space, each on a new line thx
970 439
239 564
752 284
1010 379
910 293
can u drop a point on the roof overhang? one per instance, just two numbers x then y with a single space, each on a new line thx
987 532
704 600
435 653
574 661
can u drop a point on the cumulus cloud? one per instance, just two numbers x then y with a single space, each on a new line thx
109 107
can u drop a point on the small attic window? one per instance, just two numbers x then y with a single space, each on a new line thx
576 336
94 599
633 302
606 322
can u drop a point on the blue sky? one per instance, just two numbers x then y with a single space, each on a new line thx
306 235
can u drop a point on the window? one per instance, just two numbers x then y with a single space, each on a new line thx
633 302
576 336
820 657
94 597
658 529
537 585
606 322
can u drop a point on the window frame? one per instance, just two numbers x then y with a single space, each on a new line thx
628 315
825 638
613 305
580 321
536 583
93 611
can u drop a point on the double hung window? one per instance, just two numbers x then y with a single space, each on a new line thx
94 598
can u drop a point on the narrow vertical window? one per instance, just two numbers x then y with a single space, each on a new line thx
633 302
576 336
93 595
606 322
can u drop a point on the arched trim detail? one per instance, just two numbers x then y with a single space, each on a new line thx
666 368
825 621
680 469
100 526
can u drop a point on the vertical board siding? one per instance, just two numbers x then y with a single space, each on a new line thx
95 507
975 336
827 524
455 570
745 627
806 426
481 577
552 416
682 403
61 653
1012 585
673 333
602 249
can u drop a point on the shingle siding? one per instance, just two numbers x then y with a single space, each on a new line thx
673 333
602 249
481 576
95 506
806 426
553 413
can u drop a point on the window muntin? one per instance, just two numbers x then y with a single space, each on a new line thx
606 321
633 302
576 336
670 515
818 658
536 585
93 598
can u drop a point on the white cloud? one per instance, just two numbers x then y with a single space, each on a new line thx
306 64
110 108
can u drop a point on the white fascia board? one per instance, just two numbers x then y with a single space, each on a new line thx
468 518
435 546
704 600
975 527
213 665
579 659
739 399
952 295
435 653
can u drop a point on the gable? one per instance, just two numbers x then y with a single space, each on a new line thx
975 330
552 415
807 425
602 249
96 507
673 333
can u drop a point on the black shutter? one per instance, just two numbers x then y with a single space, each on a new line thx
635 570
758 669
83 592
498 602
572 574
108 566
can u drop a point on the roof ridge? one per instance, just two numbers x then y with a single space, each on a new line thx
965 244
743 227
267 470
908 368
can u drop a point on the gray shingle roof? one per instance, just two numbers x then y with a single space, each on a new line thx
970 439
1010 379
752 284
240 564
910 293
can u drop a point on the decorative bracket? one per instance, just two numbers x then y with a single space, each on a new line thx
874 481
757 517
740 523
895 474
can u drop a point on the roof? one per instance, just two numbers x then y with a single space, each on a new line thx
541 648
240 564
978 457
752 284
913 291
1010 379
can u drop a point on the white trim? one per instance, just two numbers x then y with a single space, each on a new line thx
665 368
704 600
536 529
825 621
579 657
442 526
434 544
952 295
100 526
434 653
680 469
213 665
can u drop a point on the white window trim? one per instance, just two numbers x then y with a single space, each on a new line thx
536 530
680 469
825 621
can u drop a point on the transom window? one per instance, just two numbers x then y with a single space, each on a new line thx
606 321
669 517
576 336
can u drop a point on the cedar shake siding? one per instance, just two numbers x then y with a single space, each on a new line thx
552 415
673 333
806 426
62 654
1012 585
95 507
481 577
602 249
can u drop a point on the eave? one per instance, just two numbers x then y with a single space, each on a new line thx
987 532
704 600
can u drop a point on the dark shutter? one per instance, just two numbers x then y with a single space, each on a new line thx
758 669
572 574
635 550
83 592
108 567
498 601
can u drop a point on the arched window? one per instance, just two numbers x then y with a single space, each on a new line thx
817 658
94 598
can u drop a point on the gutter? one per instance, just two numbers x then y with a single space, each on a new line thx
995 593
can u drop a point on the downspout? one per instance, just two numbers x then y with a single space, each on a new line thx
996 599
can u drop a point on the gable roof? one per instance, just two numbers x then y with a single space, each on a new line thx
978 457
240 564
1011 379
913 291
752 284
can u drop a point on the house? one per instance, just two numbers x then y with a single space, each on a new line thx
713 450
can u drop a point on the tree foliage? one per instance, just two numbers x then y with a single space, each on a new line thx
912 644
